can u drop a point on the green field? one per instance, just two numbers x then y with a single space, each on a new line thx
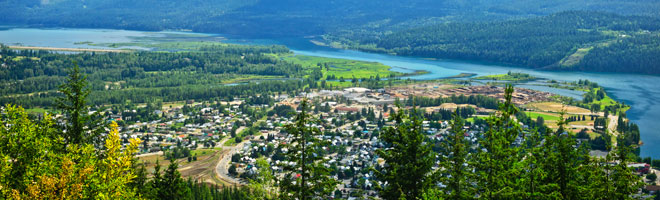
38 110
575 58
341 68
507 77
230 142
200 152
471 119
546 116
607 101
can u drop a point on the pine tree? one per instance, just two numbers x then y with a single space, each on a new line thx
531 179
455 155
80 127
563 164
169 185
408 160
496 164
312 178
140 183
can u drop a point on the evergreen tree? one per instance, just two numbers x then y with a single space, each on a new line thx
140 183
455 167
563 164
80 127
309 177
496 164
172 185
530 179
408 160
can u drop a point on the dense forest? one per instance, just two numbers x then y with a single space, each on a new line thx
32 77
290 17
612 43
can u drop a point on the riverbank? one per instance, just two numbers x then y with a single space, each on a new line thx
68 49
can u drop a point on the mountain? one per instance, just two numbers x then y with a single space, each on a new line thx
571 40
291 17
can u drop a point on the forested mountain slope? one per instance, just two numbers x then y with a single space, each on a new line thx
591 41
290 17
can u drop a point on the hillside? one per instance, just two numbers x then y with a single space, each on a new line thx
573 40
290 17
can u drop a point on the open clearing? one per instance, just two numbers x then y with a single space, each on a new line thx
546 116
576 57
341 68
555 107
203 169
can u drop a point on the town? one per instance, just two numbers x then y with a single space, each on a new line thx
231 136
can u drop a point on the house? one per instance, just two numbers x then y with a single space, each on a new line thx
344 110
653 189
357 90
642 168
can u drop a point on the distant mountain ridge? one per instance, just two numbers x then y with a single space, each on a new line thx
571 40
264 18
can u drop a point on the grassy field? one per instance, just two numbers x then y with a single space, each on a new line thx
163 45
575 58
471 119
39 110
507 77
242 78
546 116
230 142
176 104
341 68
20 58
607 101
556 107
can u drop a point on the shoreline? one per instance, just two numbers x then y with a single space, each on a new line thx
68 49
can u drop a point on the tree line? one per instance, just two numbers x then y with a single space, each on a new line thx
620 43
33 76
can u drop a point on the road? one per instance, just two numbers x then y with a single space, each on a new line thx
150 154
222 168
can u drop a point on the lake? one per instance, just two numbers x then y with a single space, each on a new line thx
640 91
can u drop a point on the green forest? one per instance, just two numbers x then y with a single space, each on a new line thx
265 18
593 41
218 71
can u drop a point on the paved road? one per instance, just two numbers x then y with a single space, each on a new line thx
222 168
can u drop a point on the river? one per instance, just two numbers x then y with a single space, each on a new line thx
640 91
